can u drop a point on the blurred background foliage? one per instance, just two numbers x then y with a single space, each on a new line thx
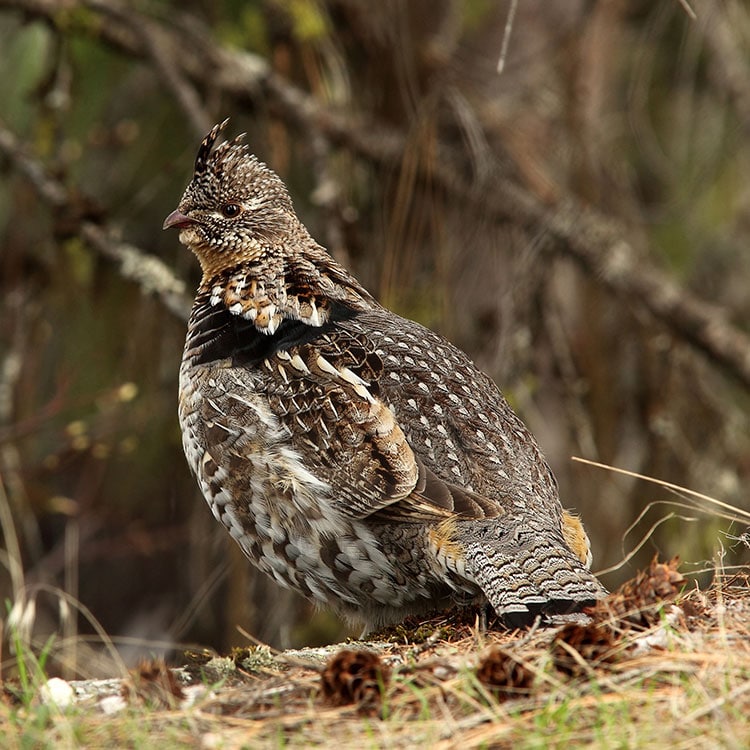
631 109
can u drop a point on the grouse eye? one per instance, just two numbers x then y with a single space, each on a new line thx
230 210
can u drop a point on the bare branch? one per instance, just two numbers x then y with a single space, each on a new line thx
596 242
157 45
153 276
150 273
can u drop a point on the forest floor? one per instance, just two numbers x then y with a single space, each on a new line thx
658 664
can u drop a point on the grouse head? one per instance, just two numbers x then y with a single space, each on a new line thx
235 208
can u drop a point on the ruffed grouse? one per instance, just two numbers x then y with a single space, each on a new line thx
355 456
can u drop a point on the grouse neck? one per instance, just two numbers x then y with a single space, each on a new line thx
245 314
303 287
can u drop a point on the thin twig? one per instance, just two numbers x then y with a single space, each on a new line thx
737 513
506 35
690 12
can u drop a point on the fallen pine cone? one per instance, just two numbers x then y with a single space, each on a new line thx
355 677
155 684
639 600
503 674
594 643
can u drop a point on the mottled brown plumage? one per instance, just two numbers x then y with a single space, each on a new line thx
356 457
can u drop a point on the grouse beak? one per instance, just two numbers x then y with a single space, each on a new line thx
178 219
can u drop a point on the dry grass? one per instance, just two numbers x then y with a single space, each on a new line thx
655 666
